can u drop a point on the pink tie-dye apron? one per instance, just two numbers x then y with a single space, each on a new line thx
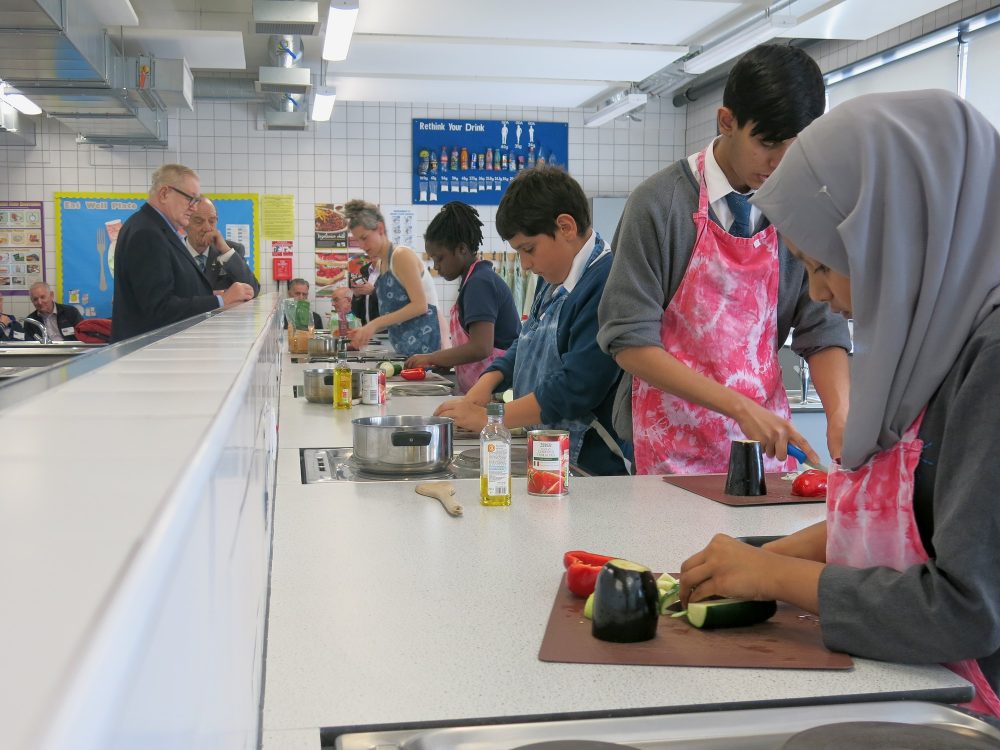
468 374
722 323
870 523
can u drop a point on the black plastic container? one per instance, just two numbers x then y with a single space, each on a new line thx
746 469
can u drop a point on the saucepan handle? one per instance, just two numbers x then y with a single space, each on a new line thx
401 439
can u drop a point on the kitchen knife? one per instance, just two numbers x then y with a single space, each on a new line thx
800 455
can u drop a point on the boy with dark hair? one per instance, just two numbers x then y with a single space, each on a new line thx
702 293
560 377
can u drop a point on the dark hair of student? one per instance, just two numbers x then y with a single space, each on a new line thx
777 87
456 224
536 197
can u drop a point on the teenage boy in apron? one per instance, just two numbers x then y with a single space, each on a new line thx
702 293
905 566
560 377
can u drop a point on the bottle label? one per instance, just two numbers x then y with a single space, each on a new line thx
495 462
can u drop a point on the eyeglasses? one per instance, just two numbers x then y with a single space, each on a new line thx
193 200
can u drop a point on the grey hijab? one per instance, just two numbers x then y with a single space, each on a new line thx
901 192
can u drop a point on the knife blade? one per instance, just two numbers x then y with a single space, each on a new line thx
800 455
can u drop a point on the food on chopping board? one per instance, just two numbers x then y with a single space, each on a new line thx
626 603
810 483
728 613
582 569
746 469
669 589
668 594
391 368
413 373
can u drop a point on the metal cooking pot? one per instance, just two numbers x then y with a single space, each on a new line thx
402 445
317 384
322 345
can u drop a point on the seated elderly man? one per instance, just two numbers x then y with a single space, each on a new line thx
343 297
10 329
59 320
299 289
222 262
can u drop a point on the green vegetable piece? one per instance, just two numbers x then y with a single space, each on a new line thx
729 613
588 608
666 581
668 598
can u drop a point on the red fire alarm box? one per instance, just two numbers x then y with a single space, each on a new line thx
281 267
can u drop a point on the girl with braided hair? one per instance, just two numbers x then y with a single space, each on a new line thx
484 321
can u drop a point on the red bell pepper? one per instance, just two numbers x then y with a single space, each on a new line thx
413 373
810 483
582 569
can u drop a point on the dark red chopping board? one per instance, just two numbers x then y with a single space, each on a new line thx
713 486
789 640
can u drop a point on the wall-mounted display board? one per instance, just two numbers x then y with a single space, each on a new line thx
87 226
474 160
22 246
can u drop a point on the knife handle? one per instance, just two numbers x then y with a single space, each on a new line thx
758 541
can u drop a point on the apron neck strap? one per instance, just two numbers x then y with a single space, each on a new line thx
702 184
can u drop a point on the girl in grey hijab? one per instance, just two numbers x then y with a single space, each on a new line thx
891 202
899 192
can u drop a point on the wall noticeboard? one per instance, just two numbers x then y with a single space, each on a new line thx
86 228
22 246
473 161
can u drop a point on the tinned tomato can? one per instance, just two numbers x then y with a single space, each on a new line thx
548 463
373 387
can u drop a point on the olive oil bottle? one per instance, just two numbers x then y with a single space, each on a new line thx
342 395
494 458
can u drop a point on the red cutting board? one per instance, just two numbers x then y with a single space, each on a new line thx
789 640
713 486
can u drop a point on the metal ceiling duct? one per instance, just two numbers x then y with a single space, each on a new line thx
285 83
286 17
58 56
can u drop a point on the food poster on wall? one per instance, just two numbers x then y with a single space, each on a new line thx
22 246
86 231
338 255
474 160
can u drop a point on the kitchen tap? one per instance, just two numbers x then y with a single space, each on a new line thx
46 339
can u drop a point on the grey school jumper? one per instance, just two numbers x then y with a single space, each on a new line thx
948 608
652 247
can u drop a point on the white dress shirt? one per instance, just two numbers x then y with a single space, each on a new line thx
719 187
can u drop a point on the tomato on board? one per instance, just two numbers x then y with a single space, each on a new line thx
811 483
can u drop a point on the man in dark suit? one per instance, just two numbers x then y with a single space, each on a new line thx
156 280
222 262
59 320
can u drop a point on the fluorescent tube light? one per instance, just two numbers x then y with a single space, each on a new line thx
322 103
18 101
339 29
741 41
626 103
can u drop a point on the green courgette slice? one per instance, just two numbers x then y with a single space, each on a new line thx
729 613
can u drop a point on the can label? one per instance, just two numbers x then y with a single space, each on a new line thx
548 462
373 387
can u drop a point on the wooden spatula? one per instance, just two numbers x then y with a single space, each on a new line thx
442 491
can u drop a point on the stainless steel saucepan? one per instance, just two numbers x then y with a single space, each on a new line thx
403 445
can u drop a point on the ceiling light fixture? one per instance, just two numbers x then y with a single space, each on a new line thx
321 108
18 101
739 42
617 106
339 29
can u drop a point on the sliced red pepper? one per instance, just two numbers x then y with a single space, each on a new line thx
810 483
582 569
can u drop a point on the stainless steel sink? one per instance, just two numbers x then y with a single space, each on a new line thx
31 354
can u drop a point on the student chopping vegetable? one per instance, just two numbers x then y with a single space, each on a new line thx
889 200
561 378
484 322
702 294
404 309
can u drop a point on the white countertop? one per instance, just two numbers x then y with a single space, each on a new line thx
384 610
